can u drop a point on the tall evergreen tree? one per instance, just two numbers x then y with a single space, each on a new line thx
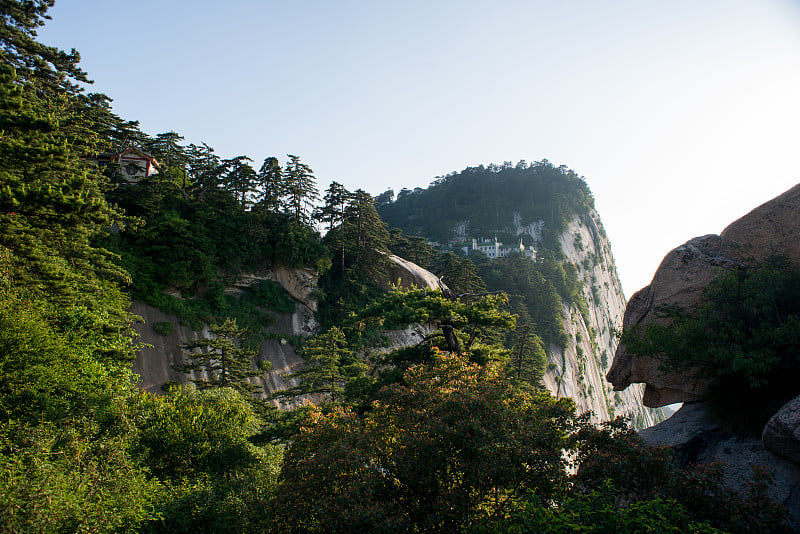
166 148
528 357
221 361
336 200
301 190
52 205
203 169
412 248
270 185
53 70
363 226
238 178
329 364
460 274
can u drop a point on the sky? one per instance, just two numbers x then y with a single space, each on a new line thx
681 116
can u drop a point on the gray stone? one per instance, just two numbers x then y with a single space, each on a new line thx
408 274
697 439
781 434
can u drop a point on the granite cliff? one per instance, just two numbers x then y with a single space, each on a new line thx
155 360
772 228
578 371
697 437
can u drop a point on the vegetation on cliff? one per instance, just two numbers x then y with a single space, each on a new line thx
488 197
744 337
440 438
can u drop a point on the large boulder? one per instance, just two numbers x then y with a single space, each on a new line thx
407 274
781 434
772 228
697 439
300 283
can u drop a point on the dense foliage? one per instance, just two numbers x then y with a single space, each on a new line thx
488 197
453 443
196 225
437 438
538 290
456 447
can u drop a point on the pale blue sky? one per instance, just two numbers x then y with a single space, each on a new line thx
681 115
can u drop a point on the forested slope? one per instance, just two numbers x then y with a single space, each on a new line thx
451 434
568 296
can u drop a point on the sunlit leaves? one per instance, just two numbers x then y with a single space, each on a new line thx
453 443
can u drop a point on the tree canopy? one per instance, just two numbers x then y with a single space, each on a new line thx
443 437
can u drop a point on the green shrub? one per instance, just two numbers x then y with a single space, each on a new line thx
268 294
188 431
163 328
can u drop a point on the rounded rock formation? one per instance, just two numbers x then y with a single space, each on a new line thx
770 229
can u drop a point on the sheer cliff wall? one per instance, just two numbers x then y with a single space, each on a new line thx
579 370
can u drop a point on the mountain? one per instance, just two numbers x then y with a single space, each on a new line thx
532 231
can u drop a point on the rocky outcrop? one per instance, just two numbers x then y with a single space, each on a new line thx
299 283
407 337
772 228
155 359
158 352
406 274
781 434
696 439
578 370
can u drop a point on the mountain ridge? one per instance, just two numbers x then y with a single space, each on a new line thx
572 254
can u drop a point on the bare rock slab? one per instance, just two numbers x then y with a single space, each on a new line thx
697 439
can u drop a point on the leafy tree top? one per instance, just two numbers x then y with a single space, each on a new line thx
487 197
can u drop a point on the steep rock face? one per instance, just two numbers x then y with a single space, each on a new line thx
781 434
299 283
772 228
159 353
154 361
407 274
579 371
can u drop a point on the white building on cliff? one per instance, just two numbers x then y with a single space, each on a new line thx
494 249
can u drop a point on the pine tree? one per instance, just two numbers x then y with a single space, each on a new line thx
166 148
270 186
301 190
336 200
203 168
238 178
329 364
222 362
412 248
52 206
53 70
528 357
333 212
460 274
364 231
